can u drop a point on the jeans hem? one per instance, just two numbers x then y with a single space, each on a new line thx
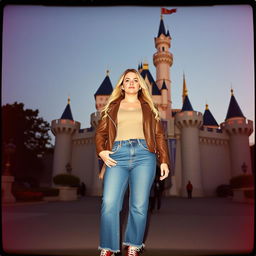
135 245
114 251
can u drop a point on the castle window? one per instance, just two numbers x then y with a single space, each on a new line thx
163 49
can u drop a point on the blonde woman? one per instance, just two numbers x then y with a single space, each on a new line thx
129 139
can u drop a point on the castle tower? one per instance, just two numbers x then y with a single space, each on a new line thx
239 129
189 122
63 129
102 94
163 60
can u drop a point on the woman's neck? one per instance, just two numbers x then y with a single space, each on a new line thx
131 98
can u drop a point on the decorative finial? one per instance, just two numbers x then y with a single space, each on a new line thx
231 90
161 16
206 107
68 100
107 72
185 90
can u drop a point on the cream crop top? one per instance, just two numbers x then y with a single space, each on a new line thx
129 124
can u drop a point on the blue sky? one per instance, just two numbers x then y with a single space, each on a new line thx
50 53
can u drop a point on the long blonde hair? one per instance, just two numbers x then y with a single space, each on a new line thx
143 93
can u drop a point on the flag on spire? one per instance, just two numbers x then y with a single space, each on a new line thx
167 11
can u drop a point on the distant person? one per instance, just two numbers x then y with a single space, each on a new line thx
189 189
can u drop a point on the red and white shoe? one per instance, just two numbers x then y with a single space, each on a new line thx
132 251
106 253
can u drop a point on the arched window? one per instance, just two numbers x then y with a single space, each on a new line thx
163 49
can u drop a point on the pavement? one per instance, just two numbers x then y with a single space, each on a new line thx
197 226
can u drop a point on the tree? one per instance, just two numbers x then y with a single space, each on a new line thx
30 135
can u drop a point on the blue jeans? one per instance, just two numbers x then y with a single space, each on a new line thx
136 165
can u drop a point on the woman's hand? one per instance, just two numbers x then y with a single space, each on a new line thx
164 171
104 155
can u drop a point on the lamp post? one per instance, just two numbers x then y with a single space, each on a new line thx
7 178
244 168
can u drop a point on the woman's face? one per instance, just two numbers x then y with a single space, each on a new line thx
131 83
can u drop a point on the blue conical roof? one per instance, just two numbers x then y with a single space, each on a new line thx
186 105
155 90
105 87
67 114
164 86
208 118
233 108
161 29
146 72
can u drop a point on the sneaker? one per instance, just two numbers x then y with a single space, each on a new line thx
132 251
106 253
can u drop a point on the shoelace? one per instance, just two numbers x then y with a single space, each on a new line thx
132 251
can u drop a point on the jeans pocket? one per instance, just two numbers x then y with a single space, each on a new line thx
116 148
144 145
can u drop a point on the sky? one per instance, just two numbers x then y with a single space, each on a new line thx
52 53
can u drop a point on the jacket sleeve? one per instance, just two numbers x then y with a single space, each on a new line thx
161 145
101 135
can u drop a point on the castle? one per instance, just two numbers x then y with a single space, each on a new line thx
201 150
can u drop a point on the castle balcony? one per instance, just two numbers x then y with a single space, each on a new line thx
238 126
213 136
165 56
188 119
64 125
162 40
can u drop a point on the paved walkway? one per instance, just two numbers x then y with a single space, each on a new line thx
201 226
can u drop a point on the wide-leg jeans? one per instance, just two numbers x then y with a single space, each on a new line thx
136 166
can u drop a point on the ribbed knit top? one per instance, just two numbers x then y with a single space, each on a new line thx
129 124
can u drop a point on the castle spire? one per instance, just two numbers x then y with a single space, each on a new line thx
185 90
105 87
161 29
208 119
67 114
233 108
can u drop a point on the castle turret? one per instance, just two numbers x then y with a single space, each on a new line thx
189 122
164 92
163 60
209 120
63 129
239 129
140 67
102 94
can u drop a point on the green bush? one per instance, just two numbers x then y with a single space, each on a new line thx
66 180
242 181
224 190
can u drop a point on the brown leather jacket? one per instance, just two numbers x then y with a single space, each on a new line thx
106 131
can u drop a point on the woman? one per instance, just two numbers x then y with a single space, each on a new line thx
129 139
